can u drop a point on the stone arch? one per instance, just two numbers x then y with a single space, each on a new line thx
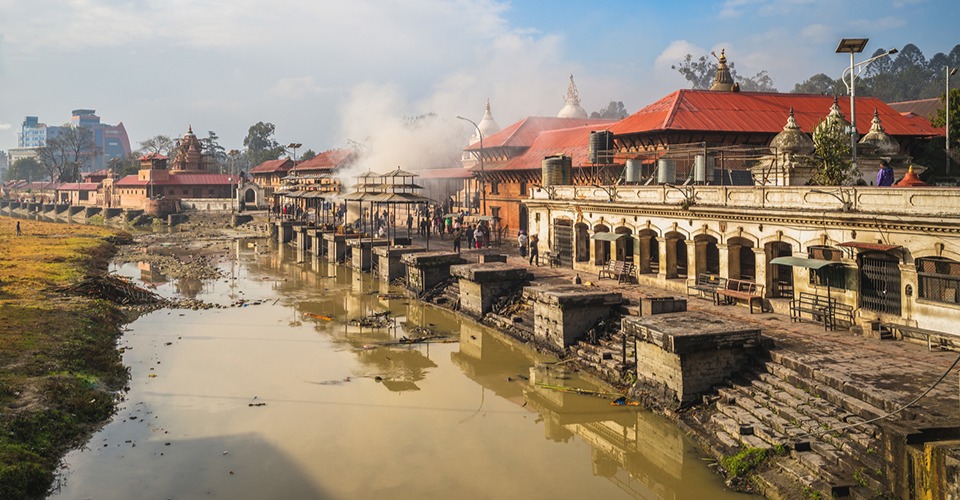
648 251
706 254
625 248
779 278
676 265
601 249
795 243
581 232
741 261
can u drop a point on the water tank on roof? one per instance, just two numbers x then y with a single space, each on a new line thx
632 172
601 146
703 169
557 170
666 171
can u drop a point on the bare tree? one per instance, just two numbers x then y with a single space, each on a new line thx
64 155
160 144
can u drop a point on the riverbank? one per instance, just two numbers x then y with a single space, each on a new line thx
59 367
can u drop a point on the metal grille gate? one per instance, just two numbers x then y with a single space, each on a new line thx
563 241
880 283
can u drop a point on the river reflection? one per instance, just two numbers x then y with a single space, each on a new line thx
287 399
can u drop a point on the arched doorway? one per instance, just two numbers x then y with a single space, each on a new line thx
601 249
624 246
524 219
582 247
676 265
649 251
707 254
563 241
779 278
742 262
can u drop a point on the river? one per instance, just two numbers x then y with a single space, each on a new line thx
281 398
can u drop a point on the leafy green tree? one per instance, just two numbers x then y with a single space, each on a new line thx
820 84
260 144
940 119
160 144
24 169
122 167
64 155
308 155
761 82
614 111
211 146
832 155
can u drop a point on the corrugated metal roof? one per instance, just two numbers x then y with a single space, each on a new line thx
270 166
924 108
327 160
524 132
758 112
79 186
572 142
180 180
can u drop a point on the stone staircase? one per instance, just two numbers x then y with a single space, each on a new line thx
807 417
606 357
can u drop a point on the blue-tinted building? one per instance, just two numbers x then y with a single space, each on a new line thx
111 140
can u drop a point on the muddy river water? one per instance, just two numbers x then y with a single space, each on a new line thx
283 398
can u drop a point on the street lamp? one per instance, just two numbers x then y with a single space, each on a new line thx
234 178
294 146
483 179
950 72
855 46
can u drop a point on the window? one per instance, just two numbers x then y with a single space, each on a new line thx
939 279
523 188
832 276
494 187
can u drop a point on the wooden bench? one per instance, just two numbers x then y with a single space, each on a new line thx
618 270
705 285
821 309
734 290
940 340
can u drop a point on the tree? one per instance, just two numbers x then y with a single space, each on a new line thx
308 155
614 111
260 144
940 119
700 73
761 82
819 84
832 154
67 152
24 169
122 167
212 147
160 144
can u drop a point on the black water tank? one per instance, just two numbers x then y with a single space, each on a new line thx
601 146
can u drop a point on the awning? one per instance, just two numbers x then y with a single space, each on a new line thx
863 245
608 236
803 262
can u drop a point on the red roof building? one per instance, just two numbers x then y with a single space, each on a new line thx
327 161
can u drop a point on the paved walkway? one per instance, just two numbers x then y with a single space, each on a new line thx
886 373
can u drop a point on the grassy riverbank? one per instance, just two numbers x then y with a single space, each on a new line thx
59 366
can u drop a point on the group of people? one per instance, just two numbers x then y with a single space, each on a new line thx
529 244
477 235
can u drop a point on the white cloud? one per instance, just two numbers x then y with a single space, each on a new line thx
675 52
5 126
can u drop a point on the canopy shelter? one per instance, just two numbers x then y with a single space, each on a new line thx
815 264
607 236
388 192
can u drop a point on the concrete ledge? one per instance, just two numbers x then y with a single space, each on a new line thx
572 295
490 272
684 333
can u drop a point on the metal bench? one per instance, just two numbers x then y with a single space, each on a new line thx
735 289
940 340
821 309
705 285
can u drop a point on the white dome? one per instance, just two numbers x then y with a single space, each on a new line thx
571 107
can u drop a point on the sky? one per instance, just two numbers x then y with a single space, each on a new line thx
331 73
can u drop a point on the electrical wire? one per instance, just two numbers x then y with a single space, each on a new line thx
887 415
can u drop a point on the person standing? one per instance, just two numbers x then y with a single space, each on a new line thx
885 174
457 234
18 228
478 236
534 250
524 241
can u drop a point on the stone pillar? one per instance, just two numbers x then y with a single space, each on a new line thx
724 251
643 253
362 252
668 258
481 284
427 269
389 265
696 257
563 314
683 356
733 258
760 271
